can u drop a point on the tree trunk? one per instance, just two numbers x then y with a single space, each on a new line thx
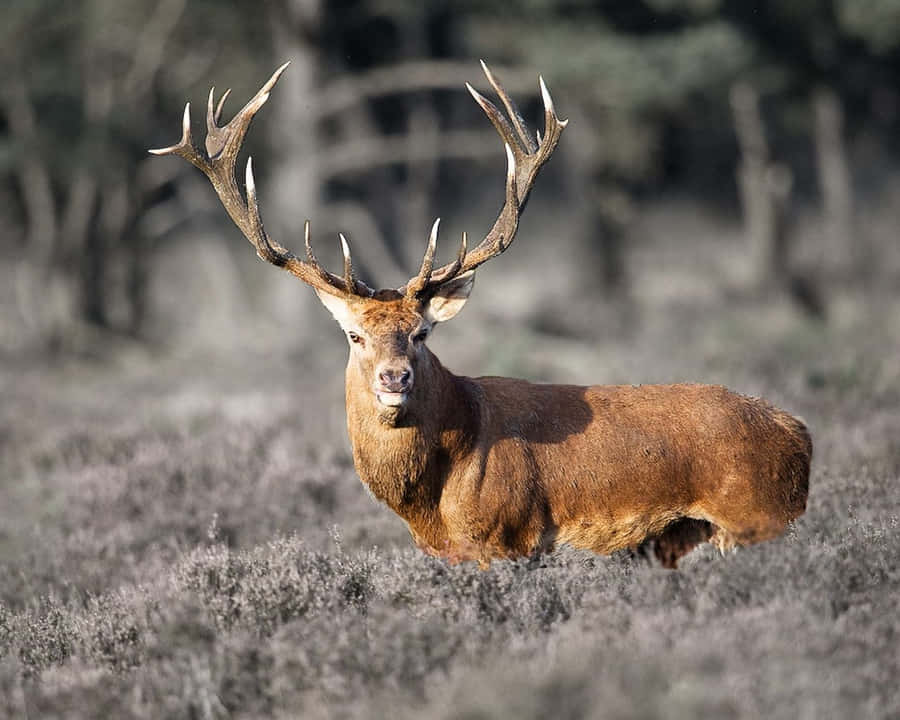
293 186
765 189
842 250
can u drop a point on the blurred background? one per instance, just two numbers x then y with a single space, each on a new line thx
717 152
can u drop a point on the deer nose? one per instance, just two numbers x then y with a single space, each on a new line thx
395 380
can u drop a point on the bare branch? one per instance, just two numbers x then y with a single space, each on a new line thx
371 152
404 78
150 46
34 177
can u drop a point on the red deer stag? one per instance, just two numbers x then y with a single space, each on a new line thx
494 467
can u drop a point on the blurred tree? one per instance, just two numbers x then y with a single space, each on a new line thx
625 69
374 111
653 77
835 184
765 187
628 71
839 59
81 107
765 190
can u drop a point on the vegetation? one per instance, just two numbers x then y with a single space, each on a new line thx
183 538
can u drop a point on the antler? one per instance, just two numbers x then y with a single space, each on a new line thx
525 158
222 147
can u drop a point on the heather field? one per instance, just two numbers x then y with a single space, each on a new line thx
184 536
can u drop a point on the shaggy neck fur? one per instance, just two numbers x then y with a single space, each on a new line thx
403 457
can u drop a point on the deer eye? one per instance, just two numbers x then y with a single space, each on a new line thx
420 336
354 338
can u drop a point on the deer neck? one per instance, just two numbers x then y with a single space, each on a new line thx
404 459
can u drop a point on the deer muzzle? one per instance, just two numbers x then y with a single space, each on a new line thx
393 385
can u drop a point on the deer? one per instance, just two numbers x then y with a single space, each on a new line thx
486 468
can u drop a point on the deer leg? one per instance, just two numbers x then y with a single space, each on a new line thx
680 538
723 540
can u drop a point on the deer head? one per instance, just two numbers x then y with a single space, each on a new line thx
388 355
386 329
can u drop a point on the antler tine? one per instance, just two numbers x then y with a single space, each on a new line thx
222 147
348 263
185 147
213 114
264 249
511 108
500 123
309 251
311 257
218 114
415 286
524 161
227 140
454 267
461 256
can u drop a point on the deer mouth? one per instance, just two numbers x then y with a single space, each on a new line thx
392 399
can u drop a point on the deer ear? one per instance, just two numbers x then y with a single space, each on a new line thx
338 307
449 298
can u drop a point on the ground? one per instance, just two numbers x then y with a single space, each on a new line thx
185 536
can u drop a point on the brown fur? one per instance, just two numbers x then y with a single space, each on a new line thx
490 467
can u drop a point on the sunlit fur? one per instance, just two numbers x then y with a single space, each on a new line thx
493 467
